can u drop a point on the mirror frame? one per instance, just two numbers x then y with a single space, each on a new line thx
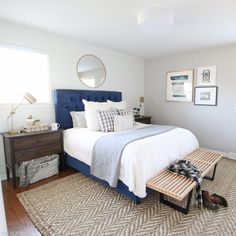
105 75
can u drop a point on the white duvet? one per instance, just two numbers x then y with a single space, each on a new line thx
141 159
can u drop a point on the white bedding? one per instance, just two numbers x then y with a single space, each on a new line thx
141 159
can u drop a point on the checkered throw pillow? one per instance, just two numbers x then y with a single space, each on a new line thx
106 119
125 111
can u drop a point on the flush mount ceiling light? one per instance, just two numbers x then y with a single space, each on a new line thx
154 20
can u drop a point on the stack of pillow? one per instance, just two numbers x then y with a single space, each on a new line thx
105 116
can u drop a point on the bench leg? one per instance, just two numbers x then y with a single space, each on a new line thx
175 206
213 175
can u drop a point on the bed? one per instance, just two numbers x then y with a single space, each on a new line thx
132 179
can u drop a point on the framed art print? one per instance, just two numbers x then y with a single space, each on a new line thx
206 76
206 96
180 86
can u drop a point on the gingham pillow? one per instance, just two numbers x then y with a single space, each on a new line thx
106 119
126 111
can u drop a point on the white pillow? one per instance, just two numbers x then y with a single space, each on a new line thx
91 113
123 122
127 111
118 105
78 119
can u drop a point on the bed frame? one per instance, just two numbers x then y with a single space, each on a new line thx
67 100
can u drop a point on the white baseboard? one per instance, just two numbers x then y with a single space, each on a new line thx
231 155
3 177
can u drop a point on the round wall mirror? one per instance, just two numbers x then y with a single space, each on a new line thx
91 71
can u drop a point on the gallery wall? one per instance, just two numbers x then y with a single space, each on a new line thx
125 73
214 126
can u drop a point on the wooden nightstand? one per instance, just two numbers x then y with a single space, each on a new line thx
28 146
144 119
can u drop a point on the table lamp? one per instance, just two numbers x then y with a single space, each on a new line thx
27 96
141 105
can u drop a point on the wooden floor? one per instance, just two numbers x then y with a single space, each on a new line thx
18 221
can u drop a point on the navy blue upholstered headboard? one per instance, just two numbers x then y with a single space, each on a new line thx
67 100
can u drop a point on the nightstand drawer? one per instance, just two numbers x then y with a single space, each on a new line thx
36 141
28 146
30 154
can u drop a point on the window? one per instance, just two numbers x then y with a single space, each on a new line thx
23 70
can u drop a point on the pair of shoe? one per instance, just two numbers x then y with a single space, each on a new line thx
213 201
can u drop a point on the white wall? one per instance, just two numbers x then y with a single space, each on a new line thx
3 225
124 73
215 127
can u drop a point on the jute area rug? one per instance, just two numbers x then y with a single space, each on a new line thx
78 205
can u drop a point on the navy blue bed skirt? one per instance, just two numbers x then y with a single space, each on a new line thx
85 169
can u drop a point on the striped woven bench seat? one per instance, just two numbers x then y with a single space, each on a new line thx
178 186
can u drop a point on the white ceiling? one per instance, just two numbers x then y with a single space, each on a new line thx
112 23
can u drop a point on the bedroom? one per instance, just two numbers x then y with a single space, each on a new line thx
136 64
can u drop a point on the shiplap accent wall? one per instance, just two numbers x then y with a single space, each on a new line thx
125 73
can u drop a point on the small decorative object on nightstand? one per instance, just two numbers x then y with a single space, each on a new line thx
29 146
141 106
27 96
136 112
144 119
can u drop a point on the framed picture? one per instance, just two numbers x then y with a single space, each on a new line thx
206 96
180 86
206 76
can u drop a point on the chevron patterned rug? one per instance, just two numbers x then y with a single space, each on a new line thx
78 205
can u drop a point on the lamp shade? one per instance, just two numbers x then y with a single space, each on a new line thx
30 98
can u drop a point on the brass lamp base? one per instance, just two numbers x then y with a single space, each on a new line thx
14 132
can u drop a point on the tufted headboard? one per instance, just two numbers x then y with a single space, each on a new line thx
66 100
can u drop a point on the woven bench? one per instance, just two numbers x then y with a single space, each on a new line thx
178 186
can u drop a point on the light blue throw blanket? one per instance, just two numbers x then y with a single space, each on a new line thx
108 150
